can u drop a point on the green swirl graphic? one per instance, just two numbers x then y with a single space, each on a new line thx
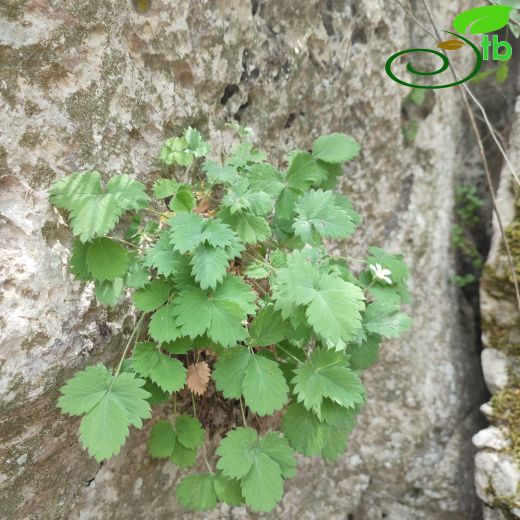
441 69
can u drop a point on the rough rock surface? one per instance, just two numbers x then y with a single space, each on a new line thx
497 465
89 85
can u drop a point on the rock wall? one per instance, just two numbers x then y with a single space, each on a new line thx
99 85
497 464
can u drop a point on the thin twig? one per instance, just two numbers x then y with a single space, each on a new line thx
489 180
135 332
243 413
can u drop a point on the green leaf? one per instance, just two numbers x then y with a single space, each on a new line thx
182 197
364 355
209 265
175 151
260 464
327 374
188 230
483 19
244 154
152 296
262 487
78 260
266 178
229 372
334 443
264 387
92 210
303 430
218 174
189 431
250 228
236 452
279 450
109 292
161 256
240 198
335 148
228 490
163 327
168 373
257 271
196 144
110 404
137 275
220 315
385 319
183 457
318 214
106 259
334 312
197 492
162 440
303 172
268 328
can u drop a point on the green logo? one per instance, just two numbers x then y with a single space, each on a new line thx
479 20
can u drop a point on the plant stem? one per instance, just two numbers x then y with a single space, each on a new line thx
206 458
135 332
243 412
289 354
122 241
194 407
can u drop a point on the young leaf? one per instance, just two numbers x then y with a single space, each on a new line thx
106 259
326 374
152 296
168 373
335 148
197 492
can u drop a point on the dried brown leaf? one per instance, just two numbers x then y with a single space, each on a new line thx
198 377
451 45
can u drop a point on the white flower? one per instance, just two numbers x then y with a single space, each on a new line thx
381 273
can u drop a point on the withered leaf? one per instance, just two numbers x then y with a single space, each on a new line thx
451 45
198 377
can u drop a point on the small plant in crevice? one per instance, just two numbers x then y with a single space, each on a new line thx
236 297
467 206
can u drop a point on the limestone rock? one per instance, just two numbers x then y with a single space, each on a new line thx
97 85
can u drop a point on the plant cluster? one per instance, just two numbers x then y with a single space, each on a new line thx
234 287
467 206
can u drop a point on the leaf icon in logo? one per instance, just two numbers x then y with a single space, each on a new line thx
451 45
484 19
